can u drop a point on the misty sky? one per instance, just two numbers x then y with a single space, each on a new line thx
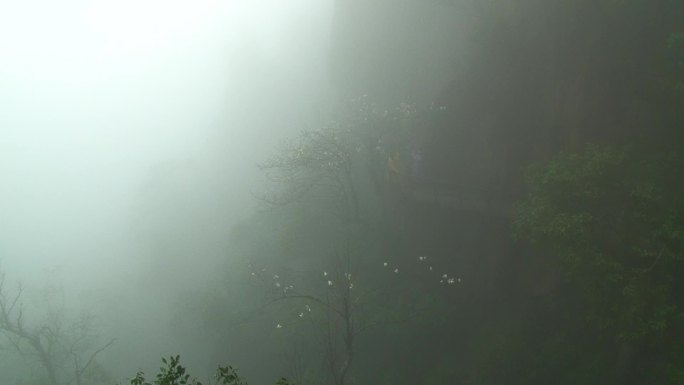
97 95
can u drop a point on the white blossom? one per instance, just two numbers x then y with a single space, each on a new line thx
279 326
329 283
396 270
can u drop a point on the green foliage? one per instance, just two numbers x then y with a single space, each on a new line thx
173 373
614 221
170 374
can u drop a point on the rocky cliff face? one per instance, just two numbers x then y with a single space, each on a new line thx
395 51
509 84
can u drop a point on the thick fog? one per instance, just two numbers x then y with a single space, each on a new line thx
341 192
127 123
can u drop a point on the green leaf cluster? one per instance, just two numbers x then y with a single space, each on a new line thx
613 220
173 373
